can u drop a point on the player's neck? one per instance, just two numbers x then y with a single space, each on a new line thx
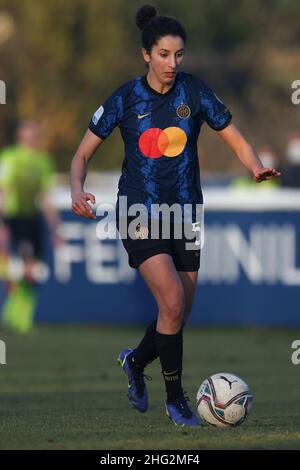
157 85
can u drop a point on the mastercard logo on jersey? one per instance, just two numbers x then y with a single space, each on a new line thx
169 142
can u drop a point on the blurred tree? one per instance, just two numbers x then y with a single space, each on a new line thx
60 60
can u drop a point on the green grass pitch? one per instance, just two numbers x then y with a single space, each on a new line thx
62 389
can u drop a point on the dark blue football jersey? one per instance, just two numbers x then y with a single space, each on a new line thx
160 133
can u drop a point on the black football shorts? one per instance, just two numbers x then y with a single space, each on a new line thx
178 240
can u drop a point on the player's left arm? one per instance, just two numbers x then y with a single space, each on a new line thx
246 153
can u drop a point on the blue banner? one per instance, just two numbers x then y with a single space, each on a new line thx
249 275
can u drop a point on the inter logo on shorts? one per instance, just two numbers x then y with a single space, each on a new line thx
183 111
141 232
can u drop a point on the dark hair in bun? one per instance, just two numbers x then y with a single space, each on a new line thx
145 14
155 26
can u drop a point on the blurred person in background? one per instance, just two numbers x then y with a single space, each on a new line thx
26 177
291 168
269 160
160 115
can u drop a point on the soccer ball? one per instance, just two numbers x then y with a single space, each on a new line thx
224 400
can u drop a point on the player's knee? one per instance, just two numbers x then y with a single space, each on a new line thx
173 307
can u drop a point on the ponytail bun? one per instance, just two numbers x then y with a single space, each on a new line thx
144 15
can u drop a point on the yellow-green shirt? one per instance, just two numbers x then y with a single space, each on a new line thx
24 174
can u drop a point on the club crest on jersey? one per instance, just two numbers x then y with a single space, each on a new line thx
183 111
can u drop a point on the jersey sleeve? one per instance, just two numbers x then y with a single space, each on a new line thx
108 115
212 110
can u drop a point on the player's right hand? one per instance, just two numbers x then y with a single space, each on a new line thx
80 205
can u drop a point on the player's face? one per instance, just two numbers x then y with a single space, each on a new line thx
165 58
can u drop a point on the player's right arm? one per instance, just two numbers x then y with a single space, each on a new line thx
79 166
105 119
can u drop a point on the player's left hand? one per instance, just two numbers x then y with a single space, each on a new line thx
262 174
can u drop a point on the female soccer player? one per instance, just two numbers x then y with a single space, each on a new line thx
160 115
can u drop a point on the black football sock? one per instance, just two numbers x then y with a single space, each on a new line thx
170 350
146 351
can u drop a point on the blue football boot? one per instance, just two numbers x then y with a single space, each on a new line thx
137 391
180 413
